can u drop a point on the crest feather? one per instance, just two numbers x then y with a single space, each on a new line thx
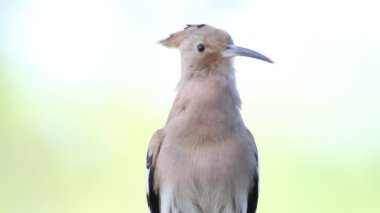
175 39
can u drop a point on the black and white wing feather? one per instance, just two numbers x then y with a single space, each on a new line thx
152 193
253 194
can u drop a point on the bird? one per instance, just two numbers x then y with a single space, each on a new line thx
204 160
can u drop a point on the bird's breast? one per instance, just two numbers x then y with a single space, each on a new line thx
207 174
207 158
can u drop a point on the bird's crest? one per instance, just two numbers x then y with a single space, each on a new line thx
175 39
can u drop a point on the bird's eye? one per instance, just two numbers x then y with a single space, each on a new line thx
201 47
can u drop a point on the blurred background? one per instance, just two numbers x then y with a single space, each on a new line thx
84 84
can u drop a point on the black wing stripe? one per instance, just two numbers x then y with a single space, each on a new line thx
253 196
152 198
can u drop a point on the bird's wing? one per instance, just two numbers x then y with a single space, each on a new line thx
153 150
253 194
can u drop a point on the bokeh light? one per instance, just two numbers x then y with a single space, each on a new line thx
84 84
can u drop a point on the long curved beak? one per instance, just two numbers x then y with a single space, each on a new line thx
232 50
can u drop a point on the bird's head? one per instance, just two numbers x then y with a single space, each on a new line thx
203 46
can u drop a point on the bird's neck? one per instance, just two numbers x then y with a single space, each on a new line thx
207 99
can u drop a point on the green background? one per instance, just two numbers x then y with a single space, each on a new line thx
83 85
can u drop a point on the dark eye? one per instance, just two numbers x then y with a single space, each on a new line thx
201 47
